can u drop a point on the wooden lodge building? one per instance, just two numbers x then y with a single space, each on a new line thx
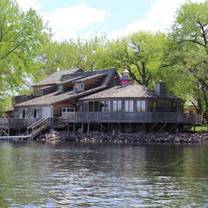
100 100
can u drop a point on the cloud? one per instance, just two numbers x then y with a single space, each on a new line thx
25 5
69 21
158 18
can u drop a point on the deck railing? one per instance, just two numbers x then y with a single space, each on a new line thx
15 123
111 117
127 117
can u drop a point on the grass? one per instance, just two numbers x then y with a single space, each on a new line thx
200 129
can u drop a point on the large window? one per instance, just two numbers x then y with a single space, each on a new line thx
66 110
23 113
91 106
117 105
163 106
108 106
140 106
129 106
105 106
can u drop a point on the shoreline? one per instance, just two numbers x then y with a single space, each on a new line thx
55 137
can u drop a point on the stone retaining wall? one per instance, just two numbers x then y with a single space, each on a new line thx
96 137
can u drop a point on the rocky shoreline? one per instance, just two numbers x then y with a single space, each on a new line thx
54 137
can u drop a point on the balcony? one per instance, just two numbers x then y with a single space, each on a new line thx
127 117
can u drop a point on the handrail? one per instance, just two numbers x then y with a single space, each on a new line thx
36 123
39 124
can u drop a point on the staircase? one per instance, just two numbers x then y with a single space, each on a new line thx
34 129
37 127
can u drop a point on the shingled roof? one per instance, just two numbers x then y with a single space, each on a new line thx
56 97
56 77
130 91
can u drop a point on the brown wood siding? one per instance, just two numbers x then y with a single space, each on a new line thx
57 108
68 86
92 83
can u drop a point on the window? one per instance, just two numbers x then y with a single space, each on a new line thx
23 113
163 106
82 86
114 105
66 110
102 106
108 106
96 106
79 87
84 106
70 110
117 105
91 106
140 106
35 113
129 106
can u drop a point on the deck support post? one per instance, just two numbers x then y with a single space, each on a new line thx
82 128
73 127
88 128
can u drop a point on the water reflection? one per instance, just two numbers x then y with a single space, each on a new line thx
34 175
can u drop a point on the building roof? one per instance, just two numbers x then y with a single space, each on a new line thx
56 77
130 91
56 97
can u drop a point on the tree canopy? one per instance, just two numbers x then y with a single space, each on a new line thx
21 38
187 53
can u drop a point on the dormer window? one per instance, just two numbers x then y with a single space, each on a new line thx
79 87
61 88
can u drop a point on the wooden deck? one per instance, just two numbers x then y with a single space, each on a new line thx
141 117
35 127
13 123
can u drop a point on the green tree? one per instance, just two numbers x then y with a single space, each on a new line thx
140 54
22 35
86 54
187 54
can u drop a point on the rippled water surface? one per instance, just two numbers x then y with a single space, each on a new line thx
37 175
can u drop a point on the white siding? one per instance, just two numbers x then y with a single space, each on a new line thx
47 111
42 112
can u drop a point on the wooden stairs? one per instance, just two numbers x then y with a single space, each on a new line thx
33 130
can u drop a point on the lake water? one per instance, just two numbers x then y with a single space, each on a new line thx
38 175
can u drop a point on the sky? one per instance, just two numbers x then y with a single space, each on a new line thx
70 19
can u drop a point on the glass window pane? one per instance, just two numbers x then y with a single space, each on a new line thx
115 106
96 106
131 106
143 107
126 106
102 106
138 108
119 105
108 106
91 106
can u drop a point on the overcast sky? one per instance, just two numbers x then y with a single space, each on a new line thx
114 18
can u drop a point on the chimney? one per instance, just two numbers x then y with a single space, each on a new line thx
125 78
160 89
